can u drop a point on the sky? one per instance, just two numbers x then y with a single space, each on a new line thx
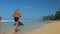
30 9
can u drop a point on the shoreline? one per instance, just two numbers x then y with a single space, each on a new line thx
47 28
50 28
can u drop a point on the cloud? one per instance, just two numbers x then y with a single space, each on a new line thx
26 6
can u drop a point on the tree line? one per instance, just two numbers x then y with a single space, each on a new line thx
56 16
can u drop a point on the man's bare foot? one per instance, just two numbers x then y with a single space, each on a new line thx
14 32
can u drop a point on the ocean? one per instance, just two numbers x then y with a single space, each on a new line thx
28 25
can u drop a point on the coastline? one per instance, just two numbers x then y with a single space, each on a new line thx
50 27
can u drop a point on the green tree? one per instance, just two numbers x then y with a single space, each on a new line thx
57 14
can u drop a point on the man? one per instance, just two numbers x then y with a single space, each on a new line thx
16 16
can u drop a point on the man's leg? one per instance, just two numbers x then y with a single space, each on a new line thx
16 26
16 20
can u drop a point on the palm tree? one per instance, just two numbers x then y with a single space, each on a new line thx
57 14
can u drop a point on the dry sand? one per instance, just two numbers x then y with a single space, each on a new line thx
50 28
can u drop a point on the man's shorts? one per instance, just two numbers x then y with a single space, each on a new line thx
16 19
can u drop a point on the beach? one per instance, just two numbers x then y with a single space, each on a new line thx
52 27
8 27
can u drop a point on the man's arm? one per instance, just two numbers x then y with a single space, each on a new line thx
19 14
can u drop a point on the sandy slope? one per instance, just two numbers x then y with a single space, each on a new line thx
51 28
